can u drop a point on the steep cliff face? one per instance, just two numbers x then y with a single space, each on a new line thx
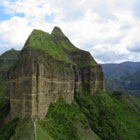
49 66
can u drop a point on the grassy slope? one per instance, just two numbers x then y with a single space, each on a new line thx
55 45
24 130
8 55
111 117
51 44
64 122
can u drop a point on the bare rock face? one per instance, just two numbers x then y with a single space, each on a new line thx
49 66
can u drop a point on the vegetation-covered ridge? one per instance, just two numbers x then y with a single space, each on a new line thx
7 59
100 116
55 45
10 54
113 116
65 122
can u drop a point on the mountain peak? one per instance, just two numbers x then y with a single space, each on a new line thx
36 31
57 31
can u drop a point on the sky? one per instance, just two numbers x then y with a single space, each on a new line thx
108 29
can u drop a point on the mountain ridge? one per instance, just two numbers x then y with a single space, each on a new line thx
66 100
49 66
123 77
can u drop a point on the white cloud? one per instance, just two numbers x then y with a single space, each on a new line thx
15 31
107 28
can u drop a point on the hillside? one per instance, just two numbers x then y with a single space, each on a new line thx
55 91
91 117
123 77
7 60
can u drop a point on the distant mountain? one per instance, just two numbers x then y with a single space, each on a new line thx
123 77
7 59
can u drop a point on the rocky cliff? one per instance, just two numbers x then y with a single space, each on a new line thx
49 66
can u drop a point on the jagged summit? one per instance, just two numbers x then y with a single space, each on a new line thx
57 31
50 44
57 46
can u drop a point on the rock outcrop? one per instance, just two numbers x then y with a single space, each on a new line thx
49 66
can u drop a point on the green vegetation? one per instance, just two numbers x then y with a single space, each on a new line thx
57 31
59 122
106 116
8 130
123 77
24 130
57 46
7 59
4 110
10 54
129 84
2 86
14 129
111 117
50 44
64 122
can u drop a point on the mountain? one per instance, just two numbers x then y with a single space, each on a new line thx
7 59
49 66
123 77
55 91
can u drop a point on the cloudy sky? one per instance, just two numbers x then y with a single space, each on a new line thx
109 29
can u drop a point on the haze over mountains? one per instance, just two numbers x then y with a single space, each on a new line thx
123 77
